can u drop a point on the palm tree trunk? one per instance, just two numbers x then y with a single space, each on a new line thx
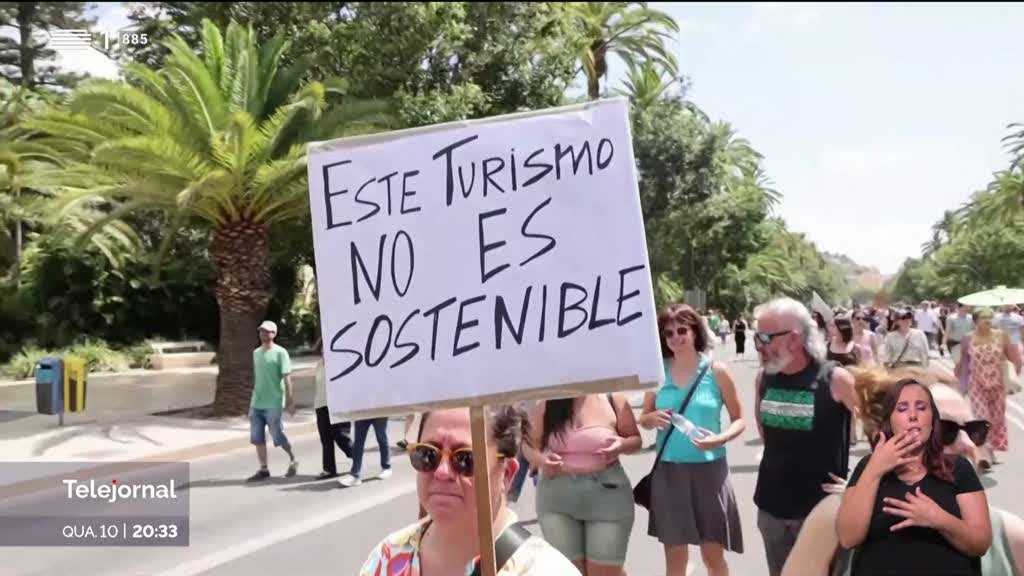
593 87
17 252
26 55
600 69
241 256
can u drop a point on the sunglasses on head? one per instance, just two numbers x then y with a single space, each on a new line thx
426 457
977 431
679 331
767 337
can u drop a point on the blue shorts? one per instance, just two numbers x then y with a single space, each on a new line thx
265 417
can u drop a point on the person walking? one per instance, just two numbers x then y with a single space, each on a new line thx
842 348
940 329
958 325
983 355
723 329
584 498
1012 323
925 320
905 346
443 542
380 430
692 499
330 434
908 508
865 336
802 409
271 394
740 336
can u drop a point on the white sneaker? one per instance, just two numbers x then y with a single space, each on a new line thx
349 481
385 474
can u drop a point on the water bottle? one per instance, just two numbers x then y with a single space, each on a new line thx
685 426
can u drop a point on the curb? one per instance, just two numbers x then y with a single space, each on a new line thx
187 454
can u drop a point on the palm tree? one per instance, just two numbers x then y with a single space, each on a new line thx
1002 201
645 84
630 30
213 141
942 232
734 157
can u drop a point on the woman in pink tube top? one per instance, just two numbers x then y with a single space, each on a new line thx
585 499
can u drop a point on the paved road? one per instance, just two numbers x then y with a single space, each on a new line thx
300 526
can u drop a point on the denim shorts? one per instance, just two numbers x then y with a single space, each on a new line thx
269 418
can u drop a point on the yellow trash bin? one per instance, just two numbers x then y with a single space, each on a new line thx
74 384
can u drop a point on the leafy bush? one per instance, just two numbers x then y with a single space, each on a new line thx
97 354
138 355
23 364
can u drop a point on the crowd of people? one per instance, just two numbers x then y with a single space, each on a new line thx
915 504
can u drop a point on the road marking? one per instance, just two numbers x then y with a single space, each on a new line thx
1014 407
1015 420
263 542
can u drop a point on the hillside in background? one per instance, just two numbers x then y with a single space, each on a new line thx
864 281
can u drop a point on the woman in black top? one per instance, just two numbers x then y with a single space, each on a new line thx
740 336
908 508
841 346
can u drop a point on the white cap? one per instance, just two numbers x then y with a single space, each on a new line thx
268 326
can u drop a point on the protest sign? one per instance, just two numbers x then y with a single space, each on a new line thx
482 261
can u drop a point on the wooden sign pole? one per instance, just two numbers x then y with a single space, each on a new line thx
482 482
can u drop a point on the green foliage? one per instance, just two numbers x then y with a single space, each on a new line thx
25 60
630 30
977 247
72 293
439 61
454 60
97 354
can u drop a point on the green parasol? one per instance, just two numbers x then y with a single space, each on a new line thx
998 296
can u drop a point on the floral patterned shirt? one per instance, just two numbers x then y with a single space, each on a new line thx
398 555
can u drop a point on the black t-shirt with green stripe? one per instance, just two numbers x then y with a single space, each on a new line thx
806 437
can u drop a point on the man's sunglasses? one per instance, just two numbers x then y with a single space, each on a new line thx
767 337
427 457
977 431
679 331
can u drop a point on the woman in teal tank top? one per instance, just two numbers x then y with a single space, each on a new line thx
692 500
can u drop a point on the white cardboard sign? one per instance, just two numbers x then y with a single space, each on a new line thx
466 262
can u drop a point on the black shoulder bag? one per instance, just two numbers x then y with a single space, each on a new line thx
506 545
642 491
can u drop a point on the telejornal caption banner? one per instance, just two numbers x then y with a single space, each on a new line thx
94 504
482 259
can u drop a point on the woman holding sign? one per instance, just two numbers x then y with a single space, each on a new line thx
692 501
584 499
444 542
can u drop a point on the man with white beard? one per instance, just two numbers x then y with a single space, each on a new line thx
803 410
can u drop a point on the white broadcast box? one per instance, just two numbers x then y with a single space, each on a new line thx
483 262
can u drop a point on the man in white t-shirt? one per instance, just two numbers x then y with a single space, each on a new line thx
926 322
1011 322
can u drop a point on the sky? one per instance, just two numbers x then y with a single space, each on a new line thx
873 118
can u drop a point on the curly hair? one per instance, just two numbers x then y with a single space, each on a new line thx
510 427
878 391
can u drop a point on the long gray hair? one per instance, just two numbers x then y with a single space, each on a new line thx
814 340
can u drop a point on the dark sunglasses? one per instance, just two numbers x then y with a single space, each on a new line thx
977 431
427 457
679 331
767 337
